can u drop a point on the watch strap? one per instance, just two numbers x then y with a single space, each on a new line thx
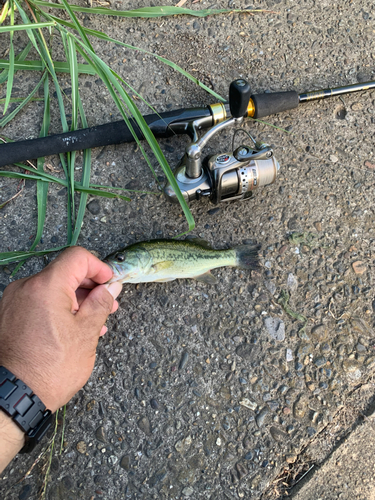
25 408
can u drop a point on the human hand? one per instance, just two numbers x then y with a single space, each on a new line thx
50 324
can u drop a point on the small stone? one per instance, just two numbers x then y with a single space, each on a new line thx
125 463
359 267
276 328
154 404
144 425
184 360
310 431
333 158
248 456
242 471
292 282
318 226
101 435
286 410
90 405
289 355
188 491
369 164
277 434
290 459
248 404
94 207
81 447
25 492
321 361
262 416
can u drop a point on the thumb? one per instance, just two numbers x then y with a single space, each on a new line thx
97 306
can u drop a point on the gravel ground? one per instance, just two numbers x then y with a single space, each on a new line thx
201 391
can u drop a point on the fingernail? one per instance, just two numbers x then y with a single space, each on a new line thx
114 289
103 331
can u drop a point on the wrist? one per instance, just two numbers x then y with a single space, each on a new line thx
12 439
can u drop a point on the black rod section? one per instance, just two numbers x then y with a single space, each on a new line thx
164 125
323 94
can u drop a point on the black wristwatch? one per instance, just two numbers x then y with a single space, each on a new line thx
25 408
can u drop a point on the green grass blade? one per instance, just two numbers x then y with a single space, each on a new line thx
60 67
85 181
26 26
11 60
9 257
98 192
145 12
4 11
21 99
41 186
24 102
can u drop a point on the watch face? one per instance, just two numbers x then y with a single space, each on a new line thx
223 159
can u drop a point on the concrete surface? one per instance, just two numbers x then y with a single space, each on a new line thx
163 415
349 473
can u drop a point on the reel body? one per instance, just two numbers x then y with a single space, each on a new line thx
225 176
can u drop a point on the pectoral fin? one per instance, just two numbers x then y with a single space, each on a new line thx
161 266
207 278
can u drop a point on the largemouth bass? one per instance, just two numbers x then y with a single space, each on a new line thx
167 260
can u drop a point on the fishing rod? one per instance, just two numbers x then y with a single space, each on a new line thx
224 177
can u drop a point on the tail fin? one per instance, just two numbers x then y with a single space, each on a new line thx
247 256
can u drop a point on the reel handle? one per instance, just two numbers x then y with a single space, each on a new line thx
239 95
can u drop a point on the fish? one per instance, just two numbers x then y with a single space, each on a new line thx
165 260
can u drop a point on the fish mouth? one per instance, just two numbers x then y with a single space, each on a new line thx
117 271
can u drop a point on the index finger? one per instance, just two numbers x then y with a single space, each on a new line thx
76 266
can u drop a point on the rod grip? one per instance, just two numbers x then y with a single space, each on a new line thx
270 104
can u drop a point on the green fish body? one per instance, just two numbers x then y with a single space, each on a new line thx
167 260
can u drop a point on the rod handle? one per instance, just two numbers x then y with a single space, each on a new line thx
270 104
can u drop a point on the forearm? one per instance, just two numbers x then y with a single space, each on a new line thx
12 439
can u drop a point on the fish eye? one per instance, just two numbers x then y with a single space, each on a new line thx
120 257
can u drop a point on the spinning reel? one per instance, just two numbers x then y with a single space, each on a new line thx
225 176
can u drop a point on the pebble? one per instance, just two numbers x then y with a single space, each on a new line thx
292 282
333 158
318 226
100 435
359 267
276 328
25 492
94 207
248 404
321 361
188 491
154 404
260 419
289 355
81 447
184 360
144 425
125 463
